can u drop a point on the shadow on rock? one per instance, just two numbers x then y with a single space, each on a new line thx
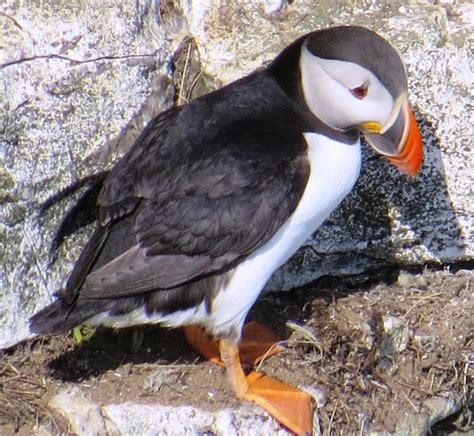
402 221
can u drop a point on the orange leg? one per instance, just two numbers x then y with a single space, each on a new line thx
257 342
288 405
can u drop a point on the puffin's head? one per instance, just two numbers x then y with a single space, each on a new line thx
353 78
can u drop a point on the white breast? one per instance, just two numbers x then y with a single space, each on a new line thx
334 168
334 171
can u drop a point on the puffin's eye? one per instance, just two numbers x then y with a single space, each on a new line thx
360 92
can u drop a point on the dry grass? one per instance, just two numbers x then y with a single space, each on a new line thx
25 387
367 383
337 351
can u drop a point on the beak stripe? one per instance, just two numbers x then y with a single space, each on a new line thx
411 153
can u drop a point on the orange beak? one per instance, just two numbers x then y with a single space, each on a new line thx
401 143
411 153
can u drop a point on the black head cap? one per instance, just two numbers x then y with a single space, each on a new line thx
363 47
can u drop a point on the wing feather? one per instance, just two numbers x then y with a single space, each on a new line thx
184 203
133 272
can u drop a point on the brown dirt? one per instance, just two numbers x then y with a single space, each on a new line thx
349 361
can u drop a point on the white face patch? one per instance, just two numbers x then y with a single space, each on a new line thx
327 84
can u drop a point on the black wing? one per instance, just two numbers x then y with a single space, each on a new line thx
203 186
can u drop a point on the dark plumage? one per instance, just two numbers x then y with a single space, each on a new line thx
190 202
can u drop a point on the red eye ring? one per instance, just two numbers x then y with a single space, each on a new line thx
360 91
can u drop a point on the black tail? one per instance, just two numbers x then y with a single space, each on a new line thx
57 318
82 213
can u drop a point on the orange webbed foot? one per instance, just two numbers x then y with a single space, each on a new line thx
257 342
288 405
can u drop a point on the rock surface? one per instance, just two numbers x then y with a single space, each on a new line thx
74 79
85 416
80 81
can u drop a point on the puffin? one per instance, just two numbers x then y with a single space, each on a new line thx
216 194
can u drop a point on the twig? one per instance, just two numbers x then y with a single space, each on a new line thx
74 61
193 84
9 379
421 299
416 409
332 418
11 367
416 388
15 22
310 337
21 392
268 352
183 76
379 385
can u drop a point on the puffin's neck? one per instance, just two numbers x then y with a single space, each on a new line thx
285 69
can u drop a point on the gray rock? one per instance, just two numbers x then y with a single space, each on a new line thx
87 417
79 82
152 419
83 415
396 337
434 410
